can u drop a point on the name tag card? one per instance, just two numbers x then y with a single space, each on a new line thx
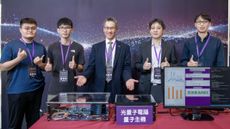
63 76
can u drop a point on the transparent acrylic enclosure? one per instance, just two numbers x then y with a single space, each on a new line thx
140 99
79 106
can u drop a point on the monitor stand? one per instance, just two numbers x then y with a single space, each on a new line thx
196 115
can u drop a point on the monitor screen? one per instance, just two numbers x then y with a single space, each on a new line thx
196 87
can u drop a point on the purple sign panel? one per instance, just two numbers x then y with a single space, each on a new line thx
134 115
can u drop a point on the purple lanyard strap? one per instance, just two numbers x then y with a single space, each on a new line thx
62 54
199 53
107 53
158 56
31 56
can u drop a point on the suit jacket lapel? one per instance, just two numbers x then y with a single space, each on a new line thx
148 50
163 47
117 53
102 53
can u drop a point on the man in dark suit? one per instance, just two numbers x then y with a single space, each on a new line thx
109 64
153 56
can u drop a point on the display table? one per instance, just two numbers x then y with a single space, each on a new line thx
163 121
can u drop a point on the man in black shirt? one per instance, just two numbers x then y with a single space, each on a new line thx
65 60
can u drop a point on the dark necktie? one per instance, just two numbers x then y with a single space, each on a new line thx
109 67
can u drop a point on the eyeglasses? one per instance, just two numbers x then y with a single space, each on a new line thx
202 22
110 28
29 28
65 27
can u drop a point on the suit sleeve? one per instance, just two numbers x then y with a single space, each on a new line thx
139 63
173 59
220 55
91 64
127 65
185 55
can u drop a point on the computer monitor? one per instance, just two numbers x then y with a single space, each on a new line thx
196 87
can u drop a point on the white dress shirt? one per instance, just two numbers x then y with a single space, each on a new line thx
155 62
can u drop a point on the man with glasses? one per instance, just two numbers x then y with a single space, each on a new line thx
203 49
109 64
24 60
65 60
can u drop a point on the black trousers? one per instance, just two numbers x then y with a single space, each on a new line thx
27 104
157 92
108 88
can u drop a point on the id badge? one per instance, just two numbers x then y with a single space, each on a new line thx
32 71
63 76
157 73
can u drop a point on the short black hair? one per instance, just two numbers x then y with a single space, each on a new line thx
204 16
64 21
112 19
157 20
27 20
